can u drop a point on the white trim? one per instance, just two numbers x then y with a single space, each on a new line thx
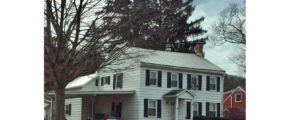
236 97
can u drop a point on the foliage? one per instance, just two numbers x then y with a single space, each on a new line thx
155 23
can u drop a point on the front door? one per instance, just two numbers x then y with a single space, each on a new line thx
171 110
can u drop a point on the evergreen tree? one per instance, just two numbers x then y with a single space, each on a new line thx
154 23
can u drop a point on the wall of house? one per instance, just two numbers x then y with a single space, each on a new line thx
154 92
76 108
131 79
231 103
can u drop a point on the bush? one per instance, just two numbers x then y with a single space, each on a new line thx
208 118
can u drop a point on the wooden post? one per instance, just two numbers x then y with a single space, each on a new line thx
176 108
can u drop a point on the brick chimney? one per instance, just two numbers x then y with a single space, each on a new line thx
198 47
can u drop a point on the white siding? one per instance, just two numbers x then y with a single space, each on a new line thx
130 80
153 92
76 108
130 103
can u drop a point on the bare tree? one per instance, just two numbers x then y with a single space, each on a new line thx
231 28
76 44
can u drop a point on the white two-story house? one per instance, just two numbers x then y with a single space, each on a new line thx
157 85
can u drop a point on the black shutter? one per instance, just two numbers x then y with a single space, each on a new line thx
189 84
97 81
168 80
199 108
102 81
113 107
199 82
147 77
120 110
69 113
218 106
109 77
180 80
159 108
188 111
207 83
207 109
159 78
122 77
114 82
218 84
145 107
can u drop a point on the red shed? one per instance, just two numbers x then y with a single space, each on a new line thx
235 103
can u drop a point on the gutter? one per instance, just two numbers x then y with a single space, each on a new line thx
187 69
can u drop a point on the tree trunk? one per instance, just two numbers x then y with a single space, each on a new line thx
59 104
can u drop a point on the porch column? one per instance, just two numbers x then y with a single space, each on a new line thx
191 113
176 108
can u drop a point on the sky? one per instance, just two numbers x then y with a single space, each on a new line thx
219 55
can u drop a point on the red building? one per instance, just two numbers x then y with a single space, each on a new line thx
235 104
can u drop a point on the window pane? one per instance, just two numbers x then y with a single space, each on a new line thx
212 86
212 107
173 83
174 77
153 75
211 114
151 104
238 97
151 112
152 81
194 107
118 84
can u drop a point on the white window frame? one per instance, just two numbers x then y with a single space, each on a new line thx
174 80
236 97
215 109
194 87
155 102
119 80
151 77
196 107
210 83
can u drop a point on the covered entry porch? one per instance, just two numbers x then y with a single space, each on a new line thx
92 103
175 98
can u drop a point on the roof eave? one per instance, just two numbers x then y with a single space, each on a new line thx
153 65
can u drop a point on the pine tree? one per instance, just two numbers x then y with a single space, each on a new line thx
154 23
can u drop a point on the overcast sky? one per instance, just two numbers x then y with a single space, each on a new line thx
219 55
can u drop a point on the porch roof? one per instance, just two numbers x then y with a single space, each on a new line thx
96 92
178 93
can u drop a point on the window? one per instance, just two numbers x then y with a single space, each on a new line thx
153 78
174 80
195 109
68 109
151 108
107 80
194 82
212 83
212 110
238 97
119 80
